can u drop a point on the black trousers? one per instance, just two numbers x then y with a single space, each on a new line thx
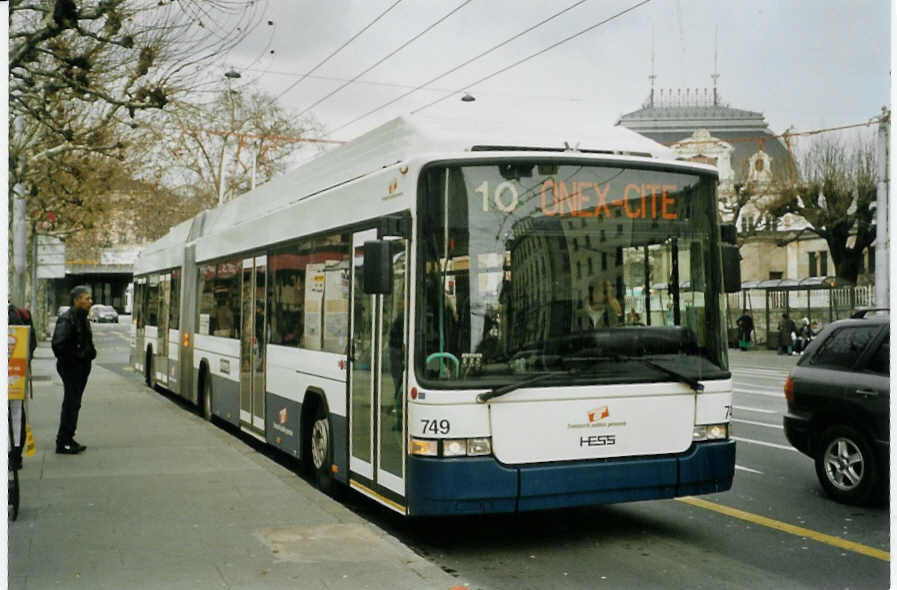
74 380
14 456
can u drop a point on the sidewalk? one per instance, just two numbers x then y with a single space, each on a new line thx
162 499
760 357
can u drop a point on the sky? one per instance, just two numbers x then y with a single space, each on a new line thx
804 64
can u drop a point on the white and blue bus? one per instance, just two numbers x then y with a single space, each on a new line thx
456 318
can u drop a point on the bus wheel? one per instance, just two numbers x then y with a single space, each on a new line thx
321 446
207 396
150 370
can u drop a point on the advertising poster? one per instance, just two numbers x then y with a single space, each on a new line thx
18 360
336 306
315 278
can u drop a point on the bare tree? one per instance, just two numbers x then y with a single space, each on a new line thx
81 72
195 148
79 69
834 192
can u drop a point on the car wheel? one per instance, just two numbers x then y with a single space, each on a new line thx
846 466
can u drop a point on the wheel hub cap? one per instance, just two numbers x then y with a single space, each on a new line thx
319 442
844 464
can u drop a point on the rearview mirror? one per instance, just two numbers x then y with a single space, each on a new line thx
377 268
731 268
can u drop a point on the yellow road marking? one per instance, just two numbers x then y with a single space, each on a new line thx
789 528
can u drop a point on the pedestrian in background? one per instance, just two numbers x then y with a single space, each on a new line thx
745 328
74 350
787 335
805 335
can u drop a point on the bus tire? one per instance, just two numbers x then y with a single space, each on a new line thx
320 445
150 376
206 393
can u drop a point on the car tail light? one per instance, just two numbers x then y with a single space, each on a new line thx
789 389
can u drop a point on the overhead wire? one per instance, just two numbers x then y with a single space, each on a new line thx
536 54
340 48
458 67
565 98
386 57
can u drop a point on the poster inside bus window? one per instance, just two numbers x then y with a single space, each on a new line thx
336 305
314 302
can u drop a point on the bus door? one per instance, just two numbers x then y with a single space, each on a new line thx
252 344
161 367
376 373
138 308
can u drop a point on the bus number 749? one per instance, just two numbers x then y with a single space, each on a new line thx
436 426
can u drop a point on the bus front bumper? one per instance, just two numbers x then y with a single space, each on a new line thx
483 485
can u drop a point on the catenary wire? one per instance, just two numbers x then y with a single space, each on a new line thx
340 48
386 57
458 67
261 71
536 54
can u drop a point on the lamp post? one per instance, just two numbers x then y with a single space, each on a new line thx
17 293
222 176
882 245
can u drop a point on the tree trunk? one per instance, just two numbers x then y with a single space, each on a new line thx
846 260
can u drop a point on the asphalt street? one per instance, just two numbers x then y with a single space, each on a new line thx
773 529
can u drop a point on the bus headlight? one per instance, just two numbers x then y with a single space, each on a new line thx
451 447
479 446
711 432
427 448
454 447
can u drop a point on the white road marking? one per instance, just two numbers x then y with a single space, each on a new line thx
766 424
760 410
767 393
748 469
765 444
757 375
763 370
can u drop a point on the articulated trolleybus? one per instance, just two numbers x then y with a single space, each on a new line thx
453 318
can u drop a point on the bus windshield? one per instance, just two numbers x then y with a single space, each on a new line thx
590 273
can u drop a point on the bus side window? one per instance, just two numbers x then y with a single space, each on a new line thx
285 289
206 299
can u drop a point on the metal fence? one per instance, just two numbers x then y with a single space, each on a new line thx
819 300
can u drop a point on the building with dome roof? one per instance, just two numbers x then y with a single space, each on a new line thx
698 126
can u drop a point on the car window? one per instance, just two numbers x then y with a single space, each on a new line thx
880 361
842 349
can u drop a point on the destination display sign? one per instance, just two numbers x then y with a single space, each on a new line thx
560 198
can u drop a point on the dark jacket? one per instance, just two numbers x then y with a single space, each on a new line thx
786 327
73 339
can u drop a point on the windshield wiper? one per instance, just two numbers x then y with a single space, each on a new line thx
499 391
687 379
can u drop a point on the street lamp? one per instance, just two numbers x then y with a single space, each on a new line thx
467 97
231 74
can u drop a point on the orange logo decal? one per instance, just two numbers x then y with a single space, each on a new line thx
598 413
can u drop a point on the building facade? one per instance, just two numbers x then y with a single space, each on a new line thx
749 157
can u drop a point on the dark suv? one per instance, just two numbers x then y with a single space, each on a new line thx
838 395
